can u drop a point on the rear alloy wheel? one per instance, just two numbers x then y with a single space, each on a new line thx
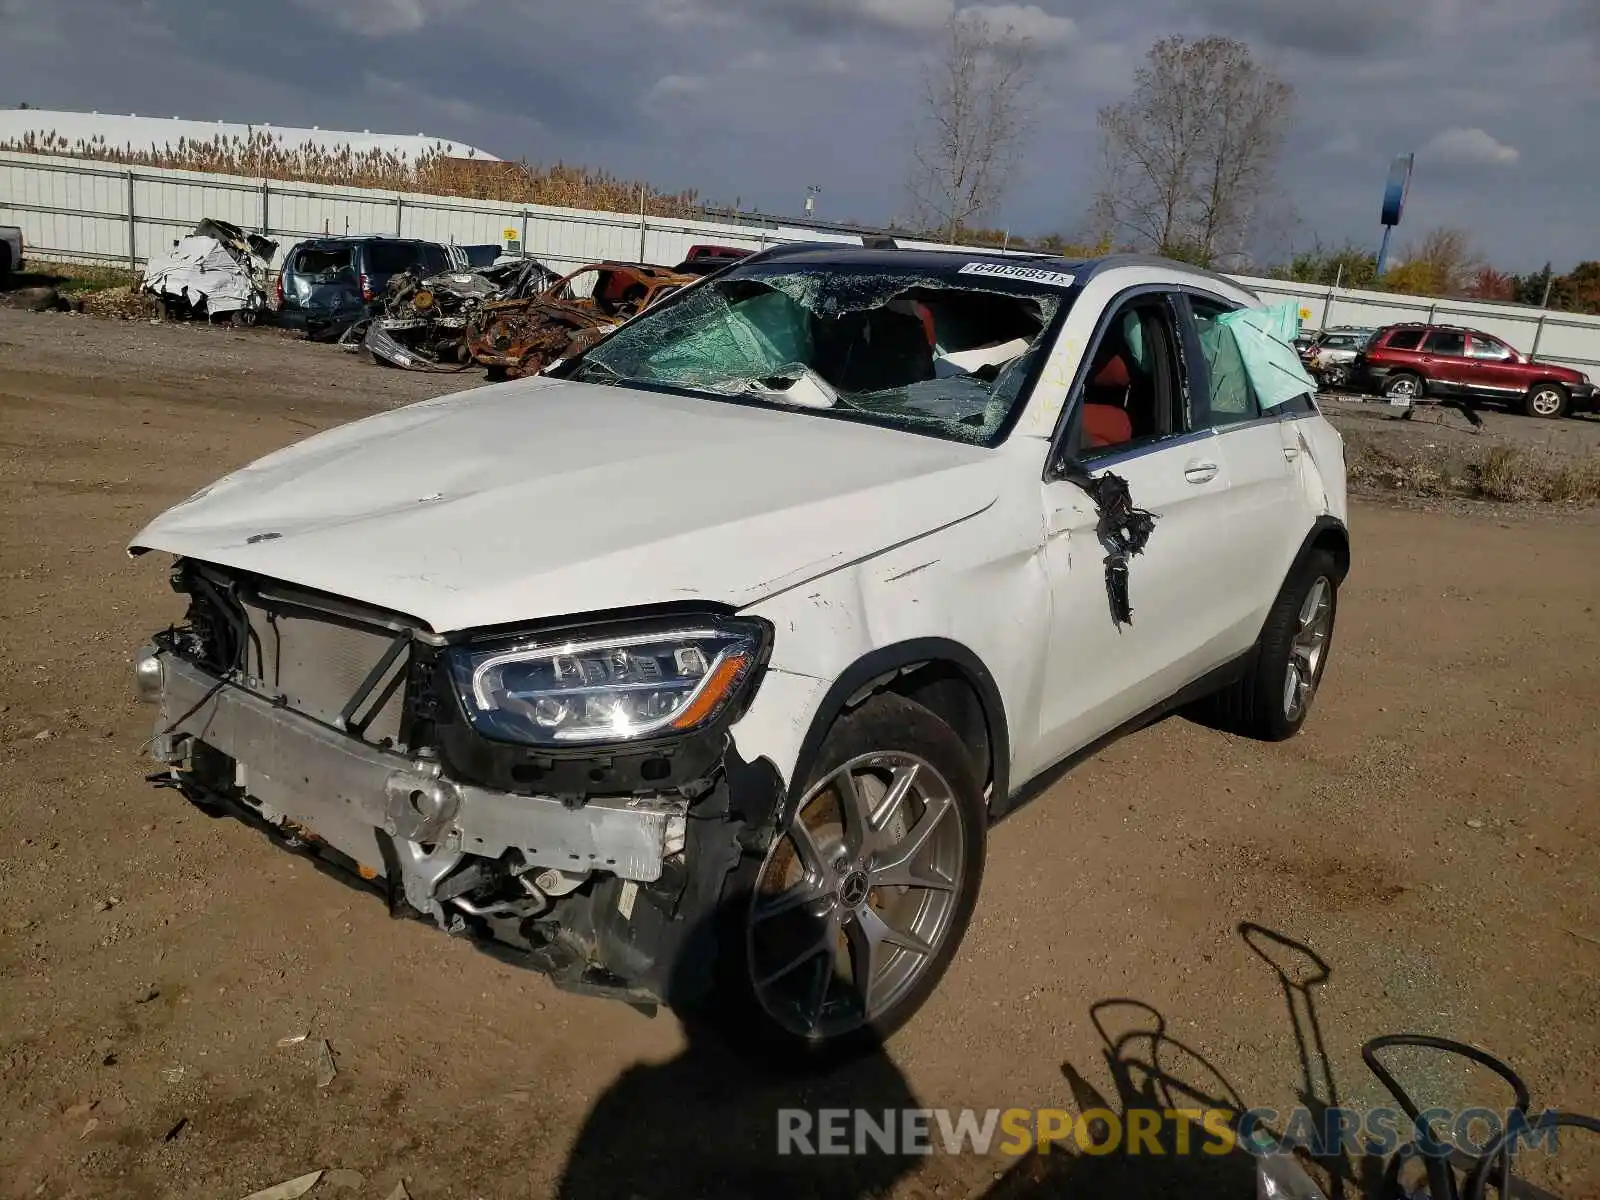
1546 400
1403 387
1335 376
861 901
1307 650
1272 699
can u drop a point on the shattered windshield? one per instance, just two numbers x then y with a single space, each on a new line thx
946 351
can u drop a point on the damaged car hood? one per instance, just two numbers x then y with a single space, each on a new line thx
544 498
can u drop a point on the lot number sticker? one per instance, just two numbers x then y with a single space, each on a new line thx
1008 271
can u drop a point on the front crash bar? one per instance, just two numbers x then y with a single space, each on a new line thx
345 789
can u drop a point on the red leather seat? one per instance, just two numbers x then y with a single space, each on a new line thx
1108 424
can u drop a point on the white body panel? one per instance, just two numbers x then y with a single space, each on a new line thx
541 498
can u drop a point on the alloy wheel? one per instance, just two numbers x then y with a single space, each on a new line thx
1308 648
856 897
1403 388
1546 402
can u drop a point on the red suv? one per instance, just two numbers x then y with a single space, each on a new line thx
1406 363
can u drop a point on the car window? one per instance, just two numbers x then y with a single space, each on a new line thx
1404 339
1342 342
931 345
388 258
1132 393
1230 398
1446 341
1485 347
322 262
434 259
581 284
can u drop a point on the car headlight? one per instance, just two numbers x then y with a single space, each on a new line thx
576 687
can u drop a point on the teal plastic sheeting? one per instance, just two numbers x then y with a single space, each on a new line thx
1264 338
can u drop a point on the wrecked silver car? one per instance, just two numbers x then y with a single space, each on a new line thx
215 271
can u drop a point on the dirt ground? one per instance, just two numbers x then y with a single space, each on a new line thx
1435 426
1425 856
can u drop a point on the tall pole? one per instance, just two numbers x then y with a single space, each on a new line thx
1383 251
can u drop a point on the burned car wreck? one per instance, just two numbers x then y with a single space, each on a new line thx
514 337
675 671
423 322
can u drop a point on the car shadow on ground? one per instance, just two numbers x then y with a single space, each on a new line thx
707 1121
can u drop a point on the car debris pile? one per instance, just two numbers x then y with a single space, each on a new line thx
218 270
422 325
516 337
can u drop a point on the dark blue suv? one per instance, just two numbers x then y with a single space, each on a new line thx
328 283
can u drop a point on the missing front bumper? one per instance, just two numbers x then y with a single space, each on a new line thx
642 923
348 792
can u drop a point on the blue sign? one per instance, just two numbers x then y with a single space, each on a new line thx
1398 187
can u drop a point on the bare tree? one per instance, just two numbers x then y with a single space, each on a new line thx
1189 161
977 114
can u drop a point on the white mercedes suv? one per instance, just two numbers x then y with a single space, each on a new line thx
695 669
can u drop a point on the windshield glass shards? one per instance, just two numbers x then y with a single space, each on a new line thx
946 352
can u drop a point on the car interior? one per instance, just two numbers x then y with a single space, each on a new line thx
1129 396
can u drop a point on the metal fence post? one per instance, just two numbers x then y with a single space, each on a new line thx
1538 335
1432 309
525 249
266 226
133 253
399 212
641 223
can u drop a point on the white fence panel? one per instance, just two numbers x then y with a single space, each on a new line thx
1572 339
73 209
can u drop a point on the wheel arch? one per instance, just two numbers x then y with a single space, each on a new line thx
942 675
1330 534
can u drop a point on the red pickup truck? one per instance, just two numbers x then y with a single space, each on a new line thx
1407 363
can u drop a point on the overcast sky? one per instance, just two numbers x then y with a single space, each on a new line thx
756 99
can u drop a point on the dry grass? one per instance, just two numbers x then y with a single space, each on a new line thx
1504 473
70 278
263 155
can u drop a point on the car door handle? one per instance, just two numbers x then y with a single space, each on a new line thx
1201 472
1291 452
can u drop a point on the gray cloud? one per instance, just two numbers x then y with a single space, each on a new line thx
913 18
1458 147
1324 27
756 99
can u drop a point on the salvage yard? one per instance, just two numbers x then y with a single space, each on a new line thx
1432 837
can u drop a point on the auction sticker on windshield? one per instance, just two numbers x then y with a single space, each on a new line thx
1009 271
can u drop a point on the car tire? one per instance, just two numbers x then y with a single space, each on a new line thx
791 1004
1404 385
1548 400
1297 636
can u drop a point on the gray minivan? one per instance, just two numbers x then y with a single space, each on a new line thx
328 283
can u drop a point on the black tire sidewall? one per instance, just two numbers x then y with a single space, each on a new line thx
1277 638
884 722
1397 377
